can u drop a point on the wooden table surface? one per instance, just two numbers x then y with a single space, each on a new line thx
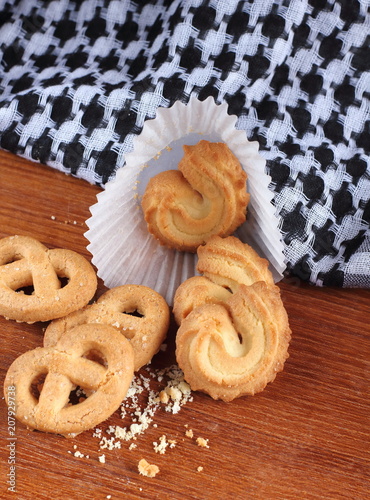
306 436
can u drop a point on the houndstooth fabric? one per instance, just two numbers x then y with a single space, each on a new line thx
79 78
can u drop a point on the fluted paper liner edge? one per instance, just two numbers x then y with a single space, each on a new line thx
123 251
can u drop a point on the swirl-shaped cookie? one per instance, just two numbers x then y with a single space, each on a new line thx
225 263
138 312
235 348
65 367
205 196
195 292
25 262
229 262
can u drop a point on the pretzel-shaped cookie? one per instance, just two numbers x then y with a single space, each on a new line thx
66 368
225 263
205 196
236 348
146 331
26 262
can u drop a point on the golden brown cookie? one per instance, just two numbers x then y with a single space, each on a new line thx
229 262
236 348
65 367
25 262
195 292
138 312
225 263
205 196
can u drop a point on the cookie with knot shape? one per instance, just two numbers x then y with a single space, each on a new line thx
139 313
25 262
65 367
207 195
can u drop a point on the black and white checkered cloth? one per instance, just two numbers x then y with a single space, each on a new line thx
79 78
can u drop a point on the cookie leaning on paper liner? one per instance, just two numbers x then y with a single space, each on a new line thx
225 264
139 313
67 366
205 196
25 262
235 348
234 331
229 262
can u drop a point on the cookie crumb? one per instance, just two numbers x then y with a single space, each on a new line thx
164 397
163 444
147 469
171 398
203 443
189 433
102 459
199 469
97 433
174 393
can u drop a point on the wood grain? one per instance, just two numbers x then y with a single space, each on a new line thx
306 436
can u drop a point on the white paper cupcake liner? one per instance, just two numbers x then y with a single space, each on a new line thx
122 249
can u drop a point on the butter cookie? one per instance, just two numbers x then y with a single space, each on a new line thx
136 311
96 359
25 263
207 195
